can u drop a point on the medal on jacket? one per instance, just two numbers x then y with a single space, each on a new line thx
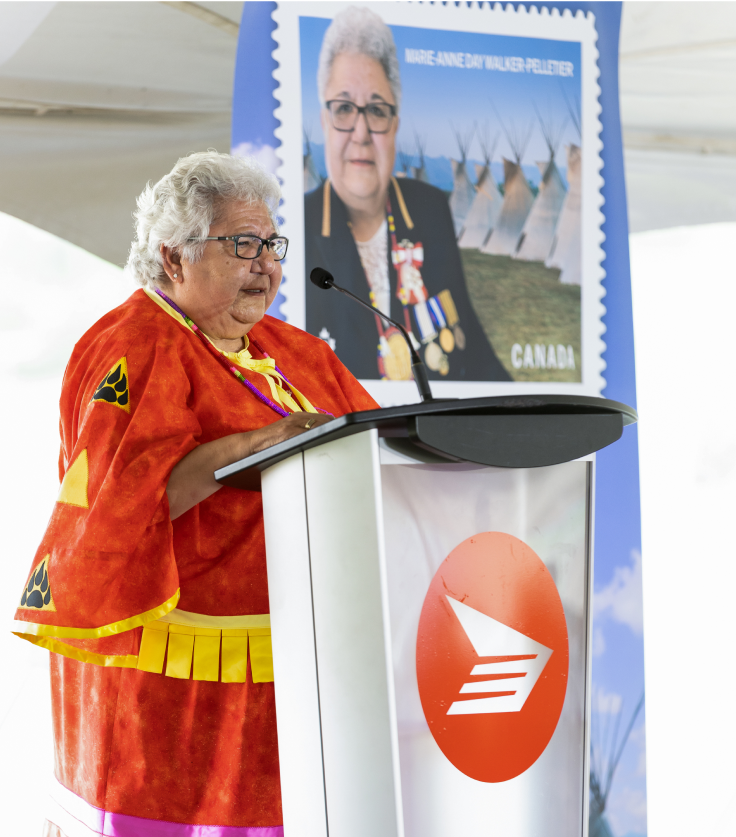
394 360
435 317
408 259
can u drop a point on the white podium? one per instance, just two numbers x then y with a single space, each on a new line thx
430 574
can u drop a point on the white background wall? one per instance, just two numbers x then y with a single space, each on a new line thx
52 292
684 283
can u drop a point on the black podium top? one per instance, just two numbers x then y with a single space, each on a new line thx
523 431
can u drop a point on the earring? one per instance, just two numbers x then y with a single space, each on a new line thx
176 275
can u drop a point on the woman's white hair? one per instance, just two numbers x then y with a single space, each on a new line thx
359 31
185 203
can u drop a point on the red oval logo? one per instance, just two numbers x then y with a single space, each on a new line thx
492 657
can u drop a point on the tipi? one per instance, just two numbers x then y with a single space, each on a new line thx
486 206
312 180
420 172
566 250
405 163
517 201
539 228
463 191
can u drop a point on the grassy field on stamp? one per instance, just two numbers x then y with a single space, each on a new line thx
524 303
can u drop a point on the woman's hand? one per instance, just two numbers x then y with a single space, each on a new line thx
193 478
280 431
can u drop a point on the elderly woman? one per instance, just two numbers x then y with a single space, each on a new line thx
150 583
391 243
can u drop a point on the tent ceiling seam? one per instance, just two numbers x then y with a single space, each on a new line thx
678 49
205 15
684 143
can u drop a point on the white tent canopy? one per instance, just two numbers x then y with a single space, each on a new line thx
678 108
97 98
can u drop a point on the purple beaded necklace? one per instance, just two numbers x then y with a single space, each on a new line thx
223 361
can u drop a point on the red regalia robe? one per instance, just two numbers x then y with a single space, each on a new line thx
162 706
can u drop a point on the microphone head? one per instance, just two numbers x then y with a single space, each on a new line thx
322 278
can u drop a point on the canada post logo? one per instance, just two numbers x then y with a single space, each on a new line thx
492 657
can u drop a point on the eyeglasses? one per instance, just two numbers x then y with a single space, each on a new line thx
344 115
251 246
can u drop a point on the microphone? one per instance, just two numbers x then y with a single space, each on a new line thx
324 279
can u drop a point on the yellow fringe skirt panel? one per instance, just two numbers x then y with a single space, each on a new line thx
208 647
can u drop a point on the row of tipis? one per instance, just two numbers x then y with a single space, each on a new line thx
518 197
545 227
565 253
420 172
463 191
406 159
312 179
538 231
483 215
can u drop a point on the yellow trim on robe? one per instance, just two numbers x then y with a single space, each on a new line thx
166 307
189 644
36 629
201 620
58 647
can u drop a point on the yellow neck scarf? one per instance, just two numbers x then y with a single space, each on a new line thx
292 401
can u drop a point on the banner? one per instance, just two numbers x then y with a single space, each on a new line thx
460 168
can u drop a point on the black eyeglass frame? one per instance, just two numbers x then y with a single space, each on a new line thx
361 110
236 238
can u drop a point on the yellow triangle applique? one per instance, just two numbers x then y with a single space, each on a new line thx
74 485
114 387
37 592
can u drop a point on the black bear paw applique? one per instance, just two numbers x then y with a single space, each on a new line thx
37 592
114 387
